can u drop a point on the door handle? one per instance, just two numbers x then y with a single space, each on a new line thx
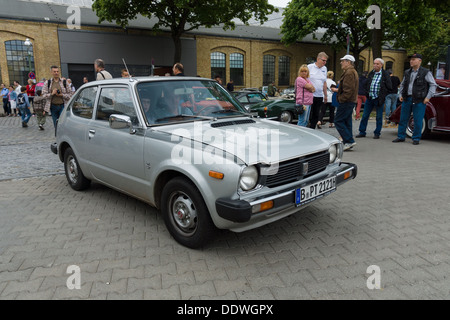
91 133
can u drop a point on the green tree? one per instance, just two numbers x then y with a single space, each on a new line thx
404 23
338 18
181 16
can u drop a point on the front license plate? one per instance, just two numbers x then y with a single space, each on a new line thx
313 191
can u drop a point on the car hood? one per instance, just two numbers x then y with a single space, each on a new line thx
263 141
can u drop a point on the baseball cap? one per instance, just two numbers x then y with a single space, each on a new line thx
416 55
348 57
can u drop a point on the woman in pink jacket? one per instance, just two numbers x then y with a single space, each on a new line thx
304 94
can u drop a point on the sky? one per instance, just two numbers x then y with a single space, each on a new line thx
279 3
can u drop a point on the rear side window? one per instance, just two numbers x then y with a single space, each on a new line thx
83 105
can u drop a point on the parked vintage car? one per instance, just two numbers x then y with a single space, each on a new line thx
186 147
280 109
248 98
437 112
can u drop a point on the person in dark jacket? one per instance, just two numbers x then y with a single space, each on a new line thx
391 98
377 87
361 94
416 90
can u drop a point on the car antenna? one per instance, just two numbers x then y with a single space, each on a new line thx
129 75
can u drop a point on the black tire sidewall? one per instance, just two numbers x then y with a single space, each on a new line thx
205 226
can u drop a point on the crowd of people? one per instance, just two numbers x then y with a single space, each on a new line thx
316 91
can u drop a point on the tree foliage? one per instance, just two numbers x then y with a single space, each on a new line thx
404 23
181 16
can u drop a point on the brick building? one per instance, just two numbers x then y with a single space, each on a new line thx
67 33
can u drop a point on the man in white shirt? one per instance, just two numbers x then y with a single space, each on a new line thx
318 77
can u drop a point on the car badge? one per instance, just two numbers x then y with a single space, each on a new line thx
305 167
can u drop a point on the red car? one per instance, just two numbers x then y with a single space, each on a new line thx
437 113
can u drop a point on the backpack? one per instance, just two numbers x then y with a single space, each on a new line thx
21 99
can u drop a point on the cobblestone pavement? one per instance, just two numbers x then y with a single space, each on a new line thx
394 215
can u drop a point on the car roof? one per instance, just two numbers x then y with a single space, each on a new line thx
136 80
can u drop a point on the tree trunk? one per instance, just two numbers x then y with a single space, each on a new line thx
177 42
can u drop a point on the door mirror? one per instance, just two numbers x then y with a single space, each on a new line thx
118 121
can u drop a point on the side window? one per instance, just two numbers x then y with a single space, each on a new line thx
115 101
243 99
255 97
83 106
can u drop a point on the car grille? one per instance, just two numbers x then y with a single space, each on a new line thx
292 170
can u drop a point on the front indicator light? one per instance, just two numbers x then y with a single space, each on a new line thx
348 175
262 206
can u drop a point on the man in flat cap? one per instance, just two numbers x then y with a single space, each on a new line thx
416 89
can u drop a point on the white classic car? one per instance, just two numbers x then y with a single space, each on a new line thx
186 147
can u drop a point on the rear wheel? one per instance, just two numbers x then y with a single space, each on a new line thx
74 175
185 213
410 127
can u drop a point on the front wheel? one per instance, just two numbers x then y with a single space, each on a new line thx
185 213
286 116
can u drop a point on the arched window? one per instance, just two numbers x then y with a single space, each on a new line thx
268 69
284 66
237 68
218 65
20 60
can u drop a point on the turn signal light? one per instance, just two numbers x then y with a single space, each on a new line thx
347 175
262 206
216 175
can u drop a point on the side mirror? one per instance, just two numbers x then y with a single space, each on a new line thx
118 121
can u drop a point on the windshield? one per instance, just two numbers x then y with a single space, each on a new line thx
174 101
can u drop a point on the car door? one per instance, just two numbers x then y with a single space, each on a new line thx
116 155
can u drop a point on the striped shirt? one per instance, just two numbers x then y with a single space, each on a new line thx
375 85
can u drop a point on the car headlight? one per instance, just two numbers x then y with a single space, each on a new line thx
249 178
335 151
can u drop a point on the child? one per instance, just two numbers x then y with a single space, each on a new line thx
38 107
23 104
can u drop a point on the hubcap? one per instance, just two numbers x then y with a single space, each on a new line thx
285 117
72 170
183 212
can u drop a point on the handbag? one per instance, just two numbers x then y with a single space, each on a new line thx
300 108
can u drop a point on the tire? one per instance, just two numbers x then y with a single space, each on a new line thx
410 127
74 175
286 116
185 213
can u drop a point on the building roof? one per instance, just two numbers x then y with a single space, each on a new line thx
58 11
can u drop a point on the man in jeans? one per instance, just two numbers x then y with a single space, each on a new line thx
57 92
391 98
377 87
416 90
347 97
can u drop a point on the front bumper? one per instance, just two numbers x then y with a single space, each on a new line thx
54 147
240 211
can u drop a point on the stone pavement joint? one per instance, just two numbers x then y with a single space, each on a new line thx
393 215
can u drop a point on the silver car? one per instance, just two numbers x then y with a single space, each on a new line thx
186 147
